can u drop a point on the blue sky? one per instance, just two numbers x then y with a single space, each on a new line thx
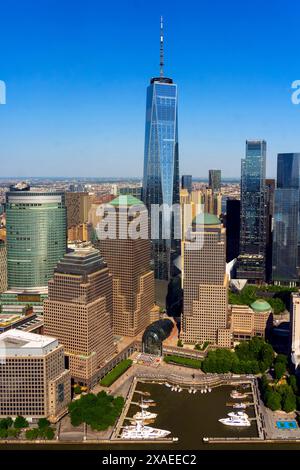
76 75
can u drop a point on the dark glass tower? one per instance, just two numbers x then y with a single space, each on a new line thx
232 229
161 167
251 262
286 220
214 180
186 182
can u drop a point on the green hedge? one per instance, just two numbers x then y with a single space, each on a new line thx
117 371
183 361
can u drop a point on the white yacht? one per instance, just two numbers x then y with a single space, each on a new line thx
241 406
237 395
144 415
236 419
139 431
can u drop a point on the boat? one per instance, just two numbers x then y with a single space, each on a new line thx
194 391
242 406
190 390
236 419
139 431
205 439
148 400
168 385
209 389
237 395
144 415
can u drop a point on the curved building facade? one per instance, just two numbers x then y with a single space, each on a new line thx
36 236
154 336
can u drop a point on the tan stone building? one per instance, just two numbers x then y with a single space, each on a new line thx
128 260
205 301
3 267
295 329
78 312
249 321
33 380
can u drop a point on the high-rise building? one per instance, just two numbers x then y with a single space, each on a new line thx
78 312
33 380
295 329
251 263
3 267
232 229
128 260
186 182
205 285
214 180
77 204
161 166
270 193
36 235
286 220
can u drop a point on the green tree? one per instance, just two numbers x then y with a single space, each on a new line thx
3 433
43 423
293 383
20 422
32 434
273 400
289 402
6 423
13 432
279 370
180 343
77 389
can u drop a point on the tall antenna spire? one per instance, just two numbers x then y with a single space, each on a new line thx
161 64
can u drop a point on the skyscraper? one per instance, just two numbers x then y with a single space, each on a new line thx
286 220
128 261
186 182
205 284
251 262
232 229
3 267
36 235
214 180
161 164
78 312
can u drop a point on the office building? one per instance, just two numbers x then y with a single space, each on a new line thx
128 260
270 198
186 183
36 235
205 285
249 321
232 229
214 180
33 380
161 167
252 263
286 220
78 312
3 267
77 204
295 329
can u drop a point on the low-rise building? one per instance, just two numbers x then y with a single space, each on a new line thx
33 380
249 321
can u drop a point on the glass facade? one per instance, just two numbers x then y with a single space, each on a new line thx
214 180
36 236
253 212
286 220
161 167
154 336
186 182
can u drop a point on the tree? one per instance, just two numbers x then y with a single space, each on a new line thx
279 370
3 433
20 422
77 389
293 383
49 433
282 358
289 402
180 343
273 400
32 434
43 423
6 423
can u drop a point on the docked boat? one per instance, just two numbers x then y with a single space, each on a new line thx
144 415
241 406
236 419
148 400
168 385
237 395
139 431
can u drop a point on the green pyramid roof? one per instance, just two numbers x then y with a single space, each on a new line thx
206 219
260 306
126 200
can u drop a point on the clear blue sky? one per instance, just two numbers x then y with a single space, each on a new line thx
76 74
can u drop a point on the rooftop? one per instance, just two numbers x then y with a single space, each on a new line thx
260 306
126 200
20 343
204 218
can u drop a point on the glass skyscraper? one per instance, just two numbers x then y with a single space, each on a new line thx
161 166
214 180
286 220
251 262
35 234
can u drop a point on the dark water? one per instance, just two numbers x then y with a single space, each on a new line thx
190 418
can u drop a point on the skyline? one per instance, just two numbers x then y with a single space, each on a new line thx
61 84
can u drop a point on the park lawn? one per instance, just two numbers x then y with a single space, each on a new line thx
183 361
117 371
